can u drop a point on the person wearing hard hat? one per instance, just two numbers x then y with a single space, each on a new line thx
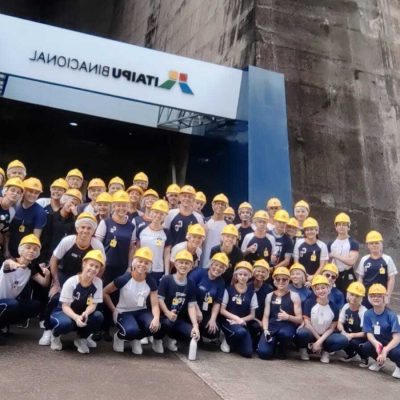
74 179
245 213
343 252
301 212
351 319
282 315
77 310
260 243
66 261
331 272
118 236
95 187
229 215
320 321
16 169
172 195
157 239
376 267
115 184
131 315
229 236
210 288
15 275
2 178
103 206
179 219
298 279
200 201
29 216
383 331
272 206
238 307
142 180
177 300
135 197
291 229
57 189
150 196
310 251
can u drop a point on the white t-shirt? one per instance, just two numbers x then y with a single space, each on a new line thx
213 238
12 283
70 284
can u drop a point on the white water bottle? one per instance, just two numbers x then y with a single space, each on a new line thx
192 350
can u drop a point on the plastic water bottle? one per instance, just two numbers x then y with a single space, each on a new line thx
192 350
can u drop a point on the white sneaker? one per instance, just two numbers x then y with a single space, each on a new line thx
118 344
55 343
348 358
325 357
375 367
137 347
91 343
304 355
225 348
157 346
396 373
45 340
82 346
145 340
170 344
41 325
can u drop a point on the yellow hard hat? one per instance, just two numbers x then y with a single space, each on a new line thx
87 215
120 196
245 204
261 214
230 230
319 280
221 257
221 197
331 268
282 216
60 183
96 255
274 202
118 180
245 265
229 211
96 182
343 218
303 204
293 222
356 288
298 266
184 255
17 182
74 193
281 271
15 164
200 196
160 205
30 239
173 188
196 229
373 236
33 184
75 172
104 197
135 187
188 189
261 263
144 252
141 176
310 223
377 288
2 172
151 192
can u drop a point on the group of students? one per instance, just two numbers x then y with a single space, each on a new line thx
161 272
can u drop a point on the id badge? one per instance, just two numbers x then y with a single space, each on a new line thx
22 228
313 258
278 300
205 306
238 301
351 321
140 301
266 253
175 301
113 243
382 270
158 242
377 329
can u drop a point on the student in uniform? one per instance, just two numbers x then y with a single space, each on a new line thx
301 212
135 197
245 213
282 315
57 189
150 196
260 243
79 298
16 169
115 184
343 252
142 180
15 276
229 215
383 331
172 195
331 272
298 278
273 205
74 179
237 309
283 250
200 201
95 187
131 314
292 228
376 267
320 316
103 206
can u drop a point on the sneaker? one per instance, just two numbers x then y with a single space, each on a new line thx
82 346
396 373
225 348
41 325
170 344
375 367
118 344
145 340
91 343
325 357
55 343
157 346
45 340
137 347
304 355
349 357
24 324
363 363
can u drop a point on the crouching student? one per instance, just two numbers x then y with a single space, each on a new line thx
134 321
320 320
383 331
79 297
238 308
282 315
177 300
15 294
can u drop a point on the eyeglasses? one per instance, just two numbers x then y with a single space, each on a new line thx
281 279
330 276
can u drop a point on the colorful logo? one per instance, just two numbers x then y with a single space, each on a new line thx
175 76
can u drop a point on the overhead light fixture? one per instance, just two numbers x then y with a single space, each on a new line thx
73 124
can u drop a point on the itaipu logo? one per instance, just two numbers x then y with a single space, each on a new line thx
173 77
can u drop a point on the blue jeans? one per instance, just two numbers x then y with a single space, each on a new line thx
62 324
282 334
334 342
368 350
13 310
238 337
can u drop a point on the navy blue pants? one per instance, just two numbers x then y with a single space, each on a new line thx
238 337
62 324
136 325
334 342
13 310
282 334
178 329
368 350
353 347
204 331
